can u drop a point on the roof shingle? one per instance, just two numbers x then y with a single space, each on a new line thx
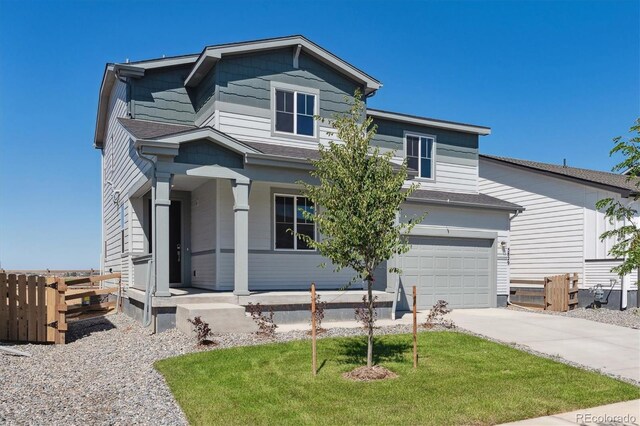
588 176
142 129
462 199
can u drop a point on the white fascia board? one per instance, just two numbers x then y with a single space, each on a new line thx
215 53
460 127
108 80
165 62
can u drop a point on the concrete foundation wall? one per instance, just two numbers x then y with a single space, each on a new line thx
585 298
165 317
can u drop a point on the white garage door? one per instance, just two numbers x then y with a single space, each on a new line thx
458 270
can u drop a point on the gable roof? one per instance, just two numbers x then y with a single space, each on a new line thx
610 181
211 54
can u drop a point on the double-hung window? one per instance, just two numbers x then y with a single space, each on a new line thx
294 112
289 221
420 155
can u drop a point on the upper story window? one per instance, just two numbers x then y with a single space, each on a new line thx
289 220
294 111
420 155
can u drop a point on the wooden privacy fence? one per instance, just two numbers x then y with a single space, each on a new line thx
34 308
556 293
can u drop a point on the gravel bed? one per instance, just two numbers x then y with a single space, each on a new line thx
629 318
104 375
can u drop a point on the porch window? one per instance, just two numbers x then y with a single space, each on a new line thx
289 221
419 151
294 112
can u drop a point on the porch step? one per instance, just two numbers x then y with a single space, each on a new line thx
221 317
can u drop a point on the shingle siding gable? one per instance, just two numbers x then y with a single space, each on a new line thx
161 96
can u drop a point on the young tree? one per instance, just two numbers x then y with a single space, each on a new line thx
357 201
626 235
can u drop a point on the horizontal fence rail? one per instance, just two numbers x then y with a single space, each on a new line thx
34 308
554 293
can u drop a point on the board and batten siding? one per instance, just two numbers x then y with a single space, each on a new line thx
456 154
121 168
203 235
448 219
560 227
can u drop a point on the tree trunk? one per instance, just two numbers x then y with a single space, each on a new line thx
370 320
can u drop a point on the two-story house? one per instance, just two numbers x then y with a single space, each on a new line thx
200 158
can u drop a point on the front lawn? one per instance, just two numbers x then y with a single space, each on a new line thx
461 379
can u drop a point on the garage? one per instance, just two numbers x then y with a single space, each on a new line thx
458 270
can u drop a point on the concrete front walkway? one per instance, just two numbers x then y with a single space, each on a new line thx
608 348
620 413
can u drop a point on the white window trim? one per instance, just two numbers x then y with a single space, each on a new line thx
295 89
295 224
433 154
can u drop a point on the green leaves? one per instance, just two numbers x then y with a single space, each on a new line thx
626 235
358 198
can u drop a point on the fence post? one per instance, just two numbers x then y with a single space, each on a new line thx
4 307
22 308
415 329
13 311
32 335
314 354
42 309
61 311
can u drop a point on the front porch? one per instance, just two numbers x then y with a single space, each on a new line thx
205 228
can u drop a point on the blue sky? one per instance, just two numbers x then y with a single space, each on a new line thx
553 79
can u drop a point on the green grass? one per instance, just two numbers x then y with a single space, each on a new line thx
461 379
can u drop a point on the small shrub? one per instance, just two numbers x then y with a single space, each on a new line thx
202 330
362 313
266 325
320 307
436 314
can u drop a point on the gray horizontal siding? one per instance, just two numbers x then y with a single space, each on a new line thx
246 80
161 96
451 147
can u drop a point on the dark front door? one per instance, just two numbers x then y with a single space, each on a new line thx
175 241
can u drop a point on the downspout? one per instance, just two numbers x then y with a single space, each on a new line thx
509 256
151 266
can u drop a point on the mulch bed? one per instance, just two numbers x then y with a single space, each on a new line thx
367 374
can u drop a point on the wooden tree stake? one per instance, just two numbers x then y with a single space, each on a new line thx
314 353
415 329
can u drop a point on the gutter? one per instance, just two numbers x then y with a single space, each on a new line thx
515 209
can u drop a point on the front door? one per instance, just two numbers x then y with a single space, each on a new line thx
175 241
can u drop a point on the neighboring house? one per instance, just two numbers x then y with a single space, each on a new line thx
559 232
201 154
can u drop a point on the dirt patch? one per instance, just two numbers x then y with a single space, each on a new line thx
367 374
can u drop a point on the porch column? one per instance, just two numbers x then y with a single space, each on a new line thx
161 239
241 237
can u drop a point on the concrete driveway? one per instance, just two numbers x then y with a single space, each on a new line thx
608 348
